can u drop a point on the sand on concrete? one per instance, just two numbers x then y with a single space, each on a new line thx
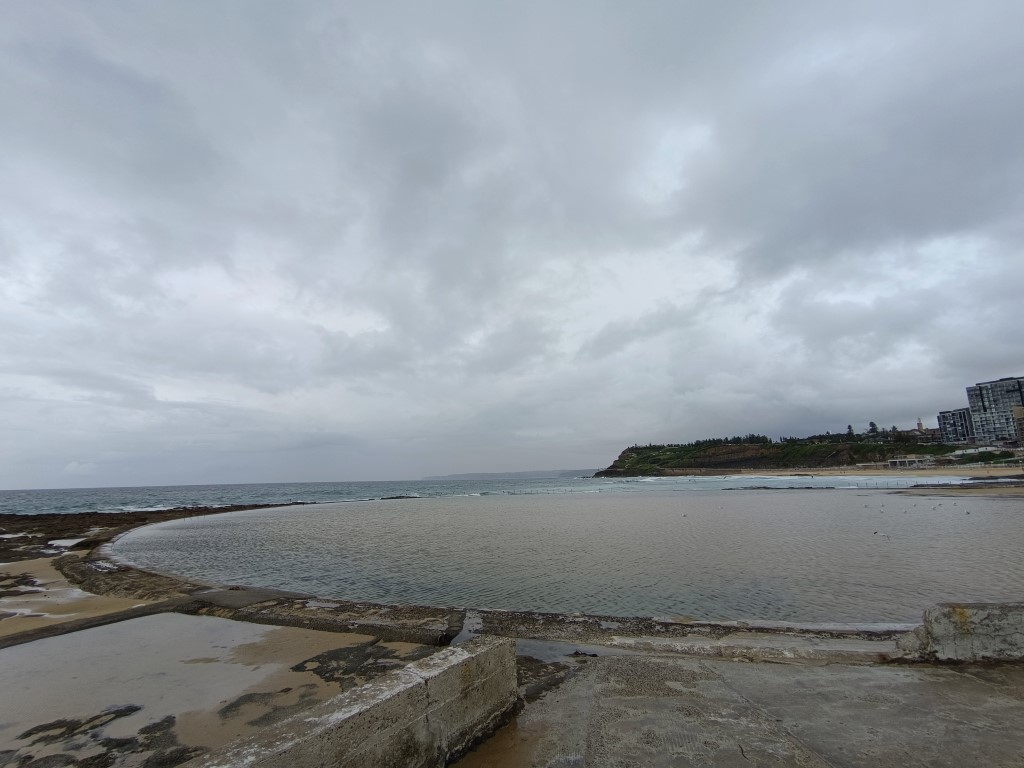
170 686
291 684
34 594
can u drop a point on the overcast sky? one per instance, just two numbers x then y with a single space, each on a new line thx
255 241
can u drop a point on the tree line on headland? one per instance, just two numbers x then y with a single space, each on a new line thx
873 434
754 451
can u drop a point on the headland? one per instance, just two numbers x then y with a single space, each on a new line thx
820 455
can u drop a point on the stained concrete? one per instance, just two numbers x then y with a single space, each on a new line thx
767 646
401 623
646 710
970 632
580 628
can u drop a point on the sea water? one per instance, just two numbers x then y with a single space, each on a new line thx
675 547
153 498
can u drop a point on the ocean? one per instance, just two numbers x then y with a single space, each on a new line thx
151 498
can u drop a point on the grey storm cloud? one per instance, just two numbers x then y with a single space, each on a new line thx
249 241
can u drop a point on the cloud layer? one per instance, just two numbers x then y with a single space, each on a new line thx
248 242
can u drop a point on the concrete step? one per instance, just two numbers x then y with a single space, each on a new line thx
763 646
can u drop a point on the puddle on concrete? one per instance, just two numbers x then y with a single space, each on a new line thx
65 543
511 746
558 651
169 686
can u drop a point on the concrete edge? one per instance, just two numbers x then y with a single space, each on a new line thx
790 649
968 632
272 607
281 613
76 625
591 628
421 716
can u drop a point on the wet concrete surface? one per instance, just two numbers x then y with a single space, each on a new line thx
648 710
159 690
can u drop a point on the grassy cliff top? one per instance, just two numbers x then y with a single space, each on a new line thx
658 459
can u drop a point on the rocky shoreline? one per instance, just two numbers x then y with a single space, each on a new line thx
27 537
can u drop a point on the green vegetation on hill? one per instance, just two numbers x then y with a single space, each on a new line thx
759 453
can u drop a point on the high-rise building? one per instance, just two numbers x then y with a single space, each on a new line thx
992 405
956 426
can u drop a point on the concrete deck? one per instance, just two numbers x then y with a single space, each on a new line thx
653 710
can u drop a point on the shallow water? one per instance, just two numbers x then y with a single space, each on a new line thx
795 555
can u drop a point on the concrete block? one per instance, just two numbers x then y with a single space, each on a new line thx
465 698
417 717
975 632
914 642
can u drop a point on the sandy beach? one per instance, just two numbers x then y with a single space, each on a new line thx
969 472
981 474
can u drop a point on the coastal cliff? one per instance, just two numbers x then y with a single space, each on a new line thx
704 458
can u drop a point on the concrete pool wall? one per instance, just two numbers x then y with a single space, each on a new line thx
966 632
422 716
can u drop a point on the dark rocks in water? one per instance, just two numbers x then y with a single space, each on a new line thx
32 532
782 488
393 498
18 585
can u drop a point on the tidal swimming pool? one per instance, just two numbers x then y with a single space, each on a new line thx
848 555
